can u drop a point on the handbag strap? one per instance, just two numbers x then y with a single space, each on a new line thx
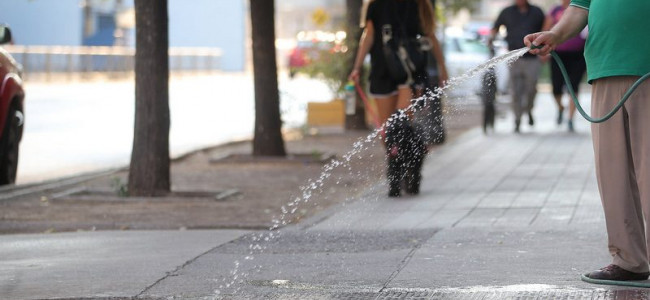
387 35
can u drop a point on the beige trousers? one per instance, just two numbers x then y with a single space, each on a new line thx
524 74
622 153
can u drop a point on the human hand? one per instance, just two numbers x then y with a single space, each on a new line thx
354 75
547 39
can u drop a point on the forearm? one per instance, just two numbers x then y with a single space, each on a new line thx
367 39
573 20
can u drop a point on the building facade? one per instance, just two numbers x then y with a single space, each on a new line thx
197 23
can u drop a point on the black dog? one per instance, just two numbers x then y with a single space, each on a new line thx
488 96
406 150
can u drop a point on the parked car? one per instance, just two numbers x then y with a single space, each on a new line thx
12 117
464 52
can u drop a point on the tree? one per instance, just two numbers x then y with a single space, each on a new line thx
353 18
267 140
149 169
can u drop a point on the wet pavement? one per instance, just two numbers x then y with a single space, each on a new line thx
501 216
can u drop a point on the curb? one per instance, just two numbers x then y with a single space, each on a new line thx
9 192
14 191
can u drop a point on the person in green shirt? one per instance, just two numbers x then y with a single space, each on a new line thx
617 55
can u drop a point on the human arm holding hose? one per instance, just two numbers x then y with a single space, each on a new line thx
367 39
573 20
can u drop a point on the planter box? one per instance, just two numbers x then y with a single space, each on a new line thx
326 114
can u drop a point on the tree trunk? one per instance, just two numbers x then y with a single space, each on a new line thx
353 18
268 125
149 170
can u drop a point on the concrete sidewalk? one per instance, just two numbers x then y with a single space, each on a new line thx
499 216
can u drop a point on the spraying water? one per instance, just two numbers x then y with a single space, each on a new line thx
259 241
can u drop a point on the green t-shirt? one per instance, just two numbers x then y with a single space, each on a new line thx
618 43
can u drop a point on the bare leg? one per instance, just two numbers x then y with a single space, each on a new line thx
572 111
404 96
560 108
386 107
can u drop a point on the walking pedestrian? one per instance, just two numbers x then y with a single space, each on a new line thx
408 18
571 54
520 19
617 55
398 67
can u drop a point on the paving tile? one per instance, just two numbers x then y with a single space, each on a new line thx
530 199
444 218
498 200
465 201
553 216
563 198
409 220
512 184
588 214
481 217
517 217
538 184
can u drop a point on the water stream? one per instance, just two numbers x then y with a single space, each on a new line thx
258 241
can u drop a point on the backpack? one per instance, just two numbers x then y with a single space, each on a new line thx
404 56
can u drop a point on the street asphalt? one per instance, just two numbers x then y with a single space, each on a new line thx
500 216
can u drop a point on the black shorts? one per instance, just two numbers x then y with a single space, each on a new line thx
575 65
385 86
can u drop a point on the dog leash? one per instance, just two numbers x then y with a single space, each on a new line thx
369 109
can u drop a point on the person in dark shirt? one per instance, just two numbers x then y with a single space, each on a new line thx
406 17
521 19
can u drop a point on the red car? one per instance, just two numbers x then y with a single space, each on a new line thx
12 117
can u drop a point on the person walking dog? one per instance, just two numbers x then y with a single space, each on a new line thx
398 34
393 19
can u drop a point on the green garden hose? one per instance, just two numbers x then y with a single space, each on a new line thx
575 98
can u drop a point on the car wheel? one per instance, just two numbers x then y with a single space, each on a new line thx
9 146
